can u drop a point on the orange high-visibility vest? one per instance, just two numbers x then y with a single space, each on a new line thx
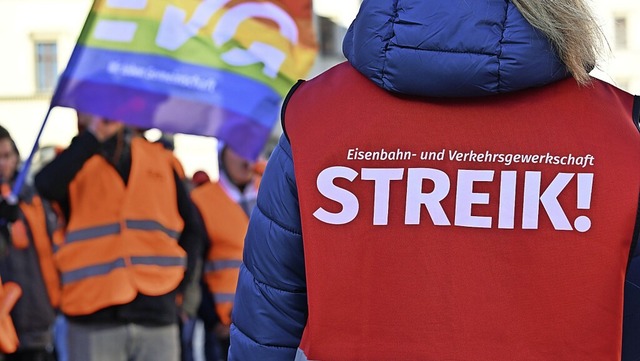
494 228
35 216
121 239
226 225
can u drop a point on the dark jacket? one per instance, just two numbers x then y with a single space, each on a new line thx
33 314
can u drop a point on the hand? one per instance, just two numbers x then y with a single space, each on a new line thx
9 212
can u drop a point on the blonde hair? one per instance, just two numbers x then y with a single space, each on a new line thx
573 30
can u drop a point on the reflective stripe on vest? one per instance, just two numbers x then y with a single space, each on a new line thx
152 226
91 233
115 228
495 228
222 298
91 271
213 269
103 269
212 266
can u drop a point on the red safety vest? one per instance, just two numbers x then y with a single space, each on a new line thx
121 239
494 228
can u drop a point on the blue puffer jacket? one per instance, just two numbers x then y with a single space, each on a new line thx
419 47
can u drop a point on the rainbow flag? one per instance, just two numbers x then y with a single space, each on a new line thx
215 67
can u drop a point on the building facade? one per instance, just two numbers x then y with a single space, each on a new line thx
620 22
36 38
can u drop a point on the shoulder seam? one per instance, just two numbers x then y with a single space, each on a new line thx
261 344
289 155
501 50
385 56
264 284
283 227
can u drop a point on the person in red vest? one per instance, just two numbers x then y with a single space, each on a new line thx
26 263
225 206
459 189
130 245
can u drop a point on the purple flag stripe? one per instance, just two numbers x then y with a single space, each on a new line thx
154 73
169 113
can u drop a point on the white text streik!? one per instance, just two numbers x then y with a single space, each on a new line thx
465 197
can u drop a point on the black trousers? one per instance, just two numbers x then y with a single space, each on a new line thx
30 355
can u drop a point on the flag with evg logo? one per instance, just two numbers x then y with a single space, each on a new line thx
215 67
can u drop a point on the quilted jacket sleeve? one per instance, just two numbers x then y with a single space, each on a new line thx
631 326
270 309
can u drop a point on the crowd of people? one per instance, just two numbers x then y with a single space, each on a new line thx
128 253
343 258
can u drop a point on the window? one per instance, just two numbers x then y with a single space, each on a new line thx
327 36
46 65
621 32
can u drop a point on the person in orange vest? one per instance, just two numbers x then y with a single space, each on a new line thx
191 292
225 206
459 189
132 238
26 262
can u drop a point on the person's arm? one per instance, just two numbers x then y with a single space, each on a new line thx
52 182
631 324
192 288
191 238
270 309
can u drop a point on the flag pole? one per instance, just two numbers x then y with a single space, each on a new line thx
22 176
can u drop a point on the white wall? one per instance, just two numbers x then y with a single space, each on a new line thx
22 22
622 66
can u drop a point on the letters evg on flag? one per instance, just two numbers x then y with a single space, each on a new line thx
213 67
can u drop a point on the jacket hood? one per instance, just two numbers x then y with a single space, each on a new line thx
450 48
